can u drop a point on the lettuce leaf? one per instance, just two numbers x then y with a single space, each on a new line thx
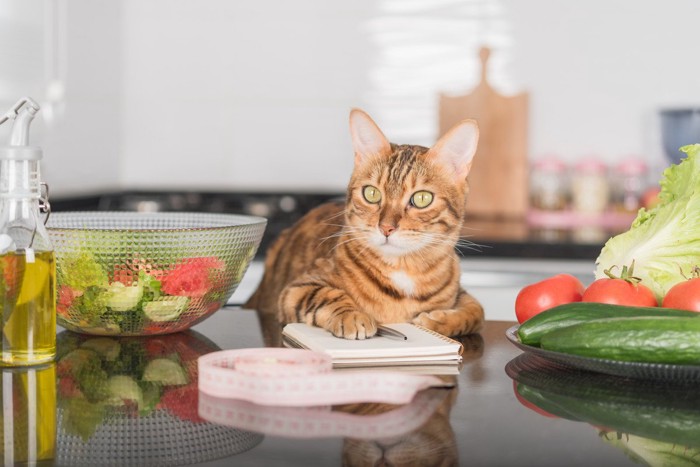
81 270
663 242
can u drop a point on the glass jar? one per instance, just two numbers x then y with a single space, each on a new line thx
548 185
590 189
629 181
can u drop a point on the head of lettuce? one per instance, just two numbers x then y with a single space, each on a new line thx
663 242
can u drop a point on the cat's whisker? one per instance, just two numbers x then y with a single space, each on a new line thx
346 230
350 238
334 216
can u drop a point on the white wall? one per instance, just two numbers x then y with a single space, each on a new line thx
255 95
67 54
598 71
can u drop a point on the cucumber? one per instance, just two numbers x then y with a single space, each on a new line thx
532 330
670 339
167 309
664 410
166 372
124 388
654 418
124 297
108 348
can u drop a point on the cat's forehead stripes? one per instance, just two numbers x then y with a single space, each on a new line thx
400 165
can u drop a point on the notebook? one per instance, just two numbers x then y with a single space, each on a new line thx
424 350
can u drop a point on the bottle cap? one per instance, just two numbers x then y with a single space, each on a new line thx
22 114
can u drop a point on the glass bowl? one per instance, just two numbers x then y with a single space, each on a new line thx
135 274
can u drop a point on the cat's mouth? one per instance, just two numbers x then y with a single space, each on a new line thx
394 244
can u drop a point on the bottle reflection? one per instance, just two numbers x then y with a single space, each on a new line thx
28 415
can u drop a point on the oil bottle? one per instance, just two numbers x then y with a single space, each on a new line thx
27 261
28 417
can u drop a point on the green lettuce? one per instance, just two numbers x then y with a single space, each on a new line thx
663 242
81 270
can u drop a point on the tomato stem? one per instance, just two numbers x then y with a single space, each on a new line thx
627 274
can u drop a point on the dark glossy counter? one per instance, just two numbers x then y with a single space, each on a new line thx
481 422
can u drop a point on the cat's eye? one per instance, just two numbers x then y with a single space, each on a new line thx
421 199
371 194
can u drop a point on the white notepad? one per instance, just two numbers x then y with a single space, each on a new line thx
422 347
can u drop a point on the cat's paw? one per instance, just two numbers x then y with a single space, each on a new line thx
437 320
353 325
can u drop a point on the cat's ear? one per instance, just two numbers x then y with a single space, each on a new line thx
456 149
367 139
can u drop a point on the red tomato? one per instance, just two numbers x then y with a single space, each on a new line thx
684 295
557 290
619 292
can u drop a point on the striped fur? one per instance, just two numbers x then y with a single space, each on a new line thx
337 269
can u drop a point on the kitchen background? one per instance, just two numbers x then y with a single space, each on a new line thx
223 95
240 106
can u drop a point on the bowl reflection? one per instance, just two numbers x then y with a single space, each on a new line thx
133 401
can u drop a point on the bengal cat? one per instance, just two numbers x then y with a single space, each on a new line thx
385 255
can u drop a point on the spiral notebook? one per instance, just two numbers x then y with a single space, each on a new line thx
422 347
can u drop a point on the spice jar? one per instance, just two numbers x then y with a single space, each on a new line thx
629 180
548 185
590 188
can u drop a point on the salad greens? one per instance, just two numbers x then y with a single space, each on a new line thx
663 242
134 295
103 377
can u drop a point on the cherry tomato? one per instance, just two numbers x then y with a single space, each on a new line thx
619 292
684 295
548 293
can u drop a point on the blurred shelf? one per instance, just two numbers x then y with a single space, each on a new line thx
483 238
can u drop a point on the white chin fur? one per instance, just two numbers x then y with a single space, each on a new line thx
395 245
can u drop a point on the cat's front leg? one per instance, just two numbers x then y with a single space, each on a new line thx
466 317
312 301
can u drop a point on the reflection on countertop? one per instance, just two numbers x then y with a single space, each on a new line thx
487 238
654 420
133 401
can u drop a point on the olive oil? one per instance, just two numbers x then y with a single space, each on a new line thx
28 425
27 261
28 295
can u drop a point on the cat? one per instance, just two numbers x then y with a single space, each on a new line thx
386 254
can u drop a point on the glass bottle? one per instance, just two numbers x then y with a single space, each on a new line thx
28 415
27 262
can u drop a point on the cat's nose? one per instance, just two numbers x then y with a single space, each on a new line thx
386 229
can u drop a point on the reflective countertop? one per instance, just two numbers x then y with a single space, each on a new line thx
549 417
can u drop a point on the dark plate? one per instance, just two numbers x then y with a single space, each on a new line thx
611 367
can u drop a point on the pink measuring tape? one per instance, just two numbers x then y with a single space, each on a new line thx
301 378
320 422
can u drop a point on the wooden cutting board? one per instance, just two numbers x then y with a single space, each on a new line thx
499 176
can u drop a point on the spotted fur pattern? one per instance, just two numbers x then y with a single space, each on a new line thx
348 266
